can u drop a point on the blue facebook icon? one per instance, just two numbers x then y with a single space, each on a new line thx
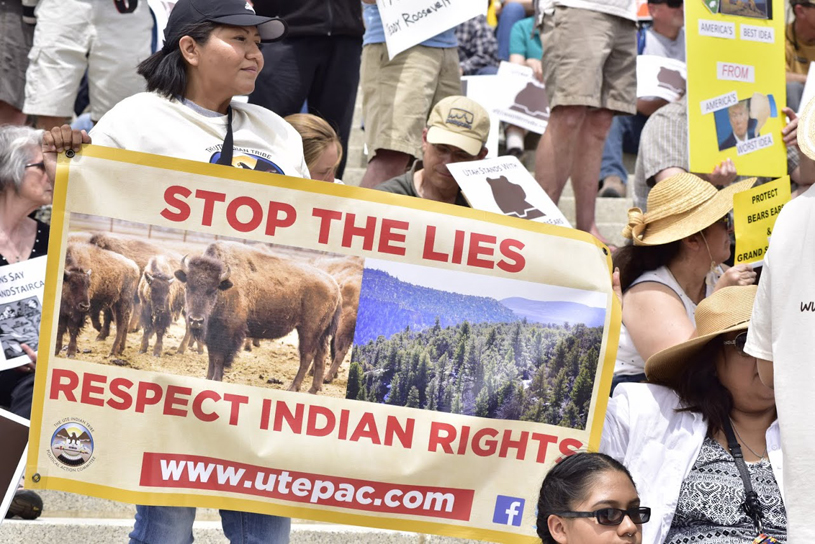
508 510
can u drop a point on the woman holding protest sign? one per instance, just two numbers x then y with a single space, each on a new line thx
210 55
672 264
590 498
702 439
24 188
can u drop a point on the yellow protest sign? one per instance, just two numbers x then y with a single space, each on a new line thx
754 214
464 359
736 85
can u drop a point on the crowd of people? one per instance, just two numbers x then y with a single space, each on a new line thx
692 454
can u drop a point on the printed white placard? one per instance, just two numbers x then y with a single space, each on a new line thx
410 22
521 99
754 33
503 185
21 288
756 144
729 71
717 29
661 77
719 102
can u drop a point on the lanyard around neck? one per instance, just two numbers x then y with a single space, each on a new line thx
227 147
751 505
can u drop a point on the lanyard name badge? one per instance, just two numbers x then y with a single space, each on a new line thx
752 506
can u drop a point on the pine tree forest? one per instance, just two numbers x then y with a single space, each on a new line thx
515 370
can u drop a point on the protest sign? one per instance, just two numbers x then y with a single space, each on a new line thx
484 89
736 85
410 22
467 359
522 100
21 288
504 185
660 77
14 431
754 215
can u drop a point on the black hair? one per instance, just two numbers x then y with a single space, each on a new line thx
165 70
568 483
633 260
700 390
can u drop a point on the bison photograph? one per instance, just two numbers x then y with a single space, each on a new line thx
238 311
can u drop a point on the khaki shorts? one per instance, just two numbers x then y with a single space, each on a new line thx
397 95
15 42
72 35
590 59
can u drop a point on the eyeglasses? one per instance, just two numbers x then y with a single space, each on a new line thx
727 221
738 342
40 165
612 516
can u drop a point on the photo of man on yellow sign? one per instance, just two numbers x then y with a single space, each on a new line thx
736 90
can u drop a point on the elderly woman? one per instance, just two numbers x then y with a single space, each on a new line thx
211 54
590 498
24 188
701 440
672 264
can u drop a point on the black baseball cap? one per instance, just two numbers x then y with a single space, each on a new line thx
224 12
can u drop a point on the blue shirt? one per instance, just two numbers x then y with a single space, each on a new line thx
375 32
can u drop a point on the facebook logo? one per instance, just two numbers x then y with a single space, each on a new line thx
508 510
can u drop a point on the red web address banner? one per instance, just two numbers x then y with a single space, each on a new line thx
198 472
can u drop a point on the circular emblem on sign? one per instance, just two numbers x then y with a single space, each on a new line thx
72 444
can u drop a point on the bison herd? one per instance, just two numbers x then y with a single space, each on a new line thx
230 295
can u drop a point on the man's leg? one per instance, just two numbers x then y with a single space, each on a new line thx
586 167
9 115
249 528
385 165
163 525
554 156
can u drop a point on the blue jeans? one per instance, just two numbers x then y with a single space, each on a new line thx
623 137
173 525
510 14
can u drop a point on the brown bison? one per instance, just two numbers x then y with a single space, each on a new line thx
234 291
109 283
162 300
348 274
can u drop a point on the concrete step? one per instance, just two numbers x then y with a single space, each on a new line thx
99 531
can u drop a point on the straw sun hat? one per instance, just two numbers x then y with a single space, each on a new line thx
679 206
724 311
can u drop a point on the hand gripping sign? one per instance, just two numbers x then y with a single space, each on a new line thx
456 354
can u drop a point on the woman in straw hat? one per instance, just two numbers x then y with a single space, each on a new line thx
681 435
672 264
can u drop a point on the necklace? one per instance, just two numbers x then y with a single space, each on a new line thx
760 457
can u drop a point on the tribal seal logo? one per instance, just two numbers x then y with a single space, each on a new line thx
72 444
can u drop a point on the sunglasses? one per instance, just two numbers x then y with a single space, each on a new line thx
727 221
738 342
612 516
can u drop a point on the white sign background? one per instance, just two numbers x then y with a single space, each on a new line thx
410 22
472 178
19 323
648 83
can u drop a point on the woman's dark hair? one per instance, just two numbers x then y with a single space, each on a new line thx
568 483
633 260
165 70
700 390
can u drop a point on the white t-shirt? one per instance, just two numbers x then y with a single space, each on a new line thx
661 46
781 330
150 123
627 9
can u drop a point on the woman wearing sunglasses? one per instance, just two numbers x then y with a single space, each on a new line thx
590 498
701 439
672 264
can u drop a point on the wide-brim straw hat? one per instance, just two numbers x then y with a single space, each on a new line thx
724 311
806 130
679 206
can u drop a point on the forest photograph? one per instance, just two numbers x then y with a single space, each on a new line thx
475 345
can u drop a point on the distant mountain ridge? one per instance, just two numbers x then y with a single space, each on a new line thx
388 305
557 312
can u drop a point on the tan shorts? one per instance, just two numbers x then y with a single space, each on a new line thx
590 59
398 94
72 35
15 42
